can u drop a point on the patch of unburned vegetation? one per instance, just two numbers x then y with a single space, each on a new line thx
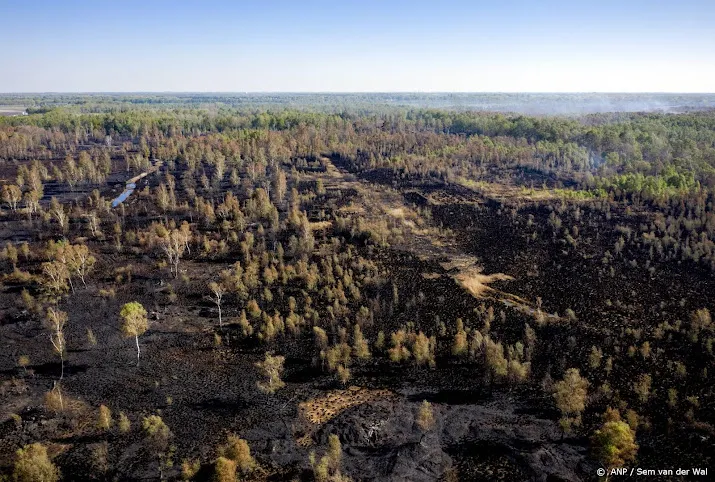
351 208
321 225
478 283
396 212
502 191
323 409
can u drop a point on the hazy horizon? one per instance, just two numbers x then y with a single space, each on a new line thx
460 46
518 103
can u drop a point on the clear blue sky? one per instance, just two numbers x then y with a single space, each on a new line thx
368 45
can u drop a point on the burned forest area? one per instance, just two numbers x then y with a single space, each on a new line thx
205 289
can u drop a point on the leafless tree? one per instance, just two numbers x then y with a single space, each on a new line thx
55 324
174 245
218 291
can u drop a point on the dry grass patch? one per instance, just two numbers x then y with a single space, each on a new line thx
352 208
320 225
320 410
478 284
396 212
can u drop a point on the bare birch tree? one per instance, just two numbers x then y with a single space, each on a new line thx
55 323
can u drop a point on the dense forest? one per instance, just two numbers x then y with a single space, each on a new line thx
207 287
